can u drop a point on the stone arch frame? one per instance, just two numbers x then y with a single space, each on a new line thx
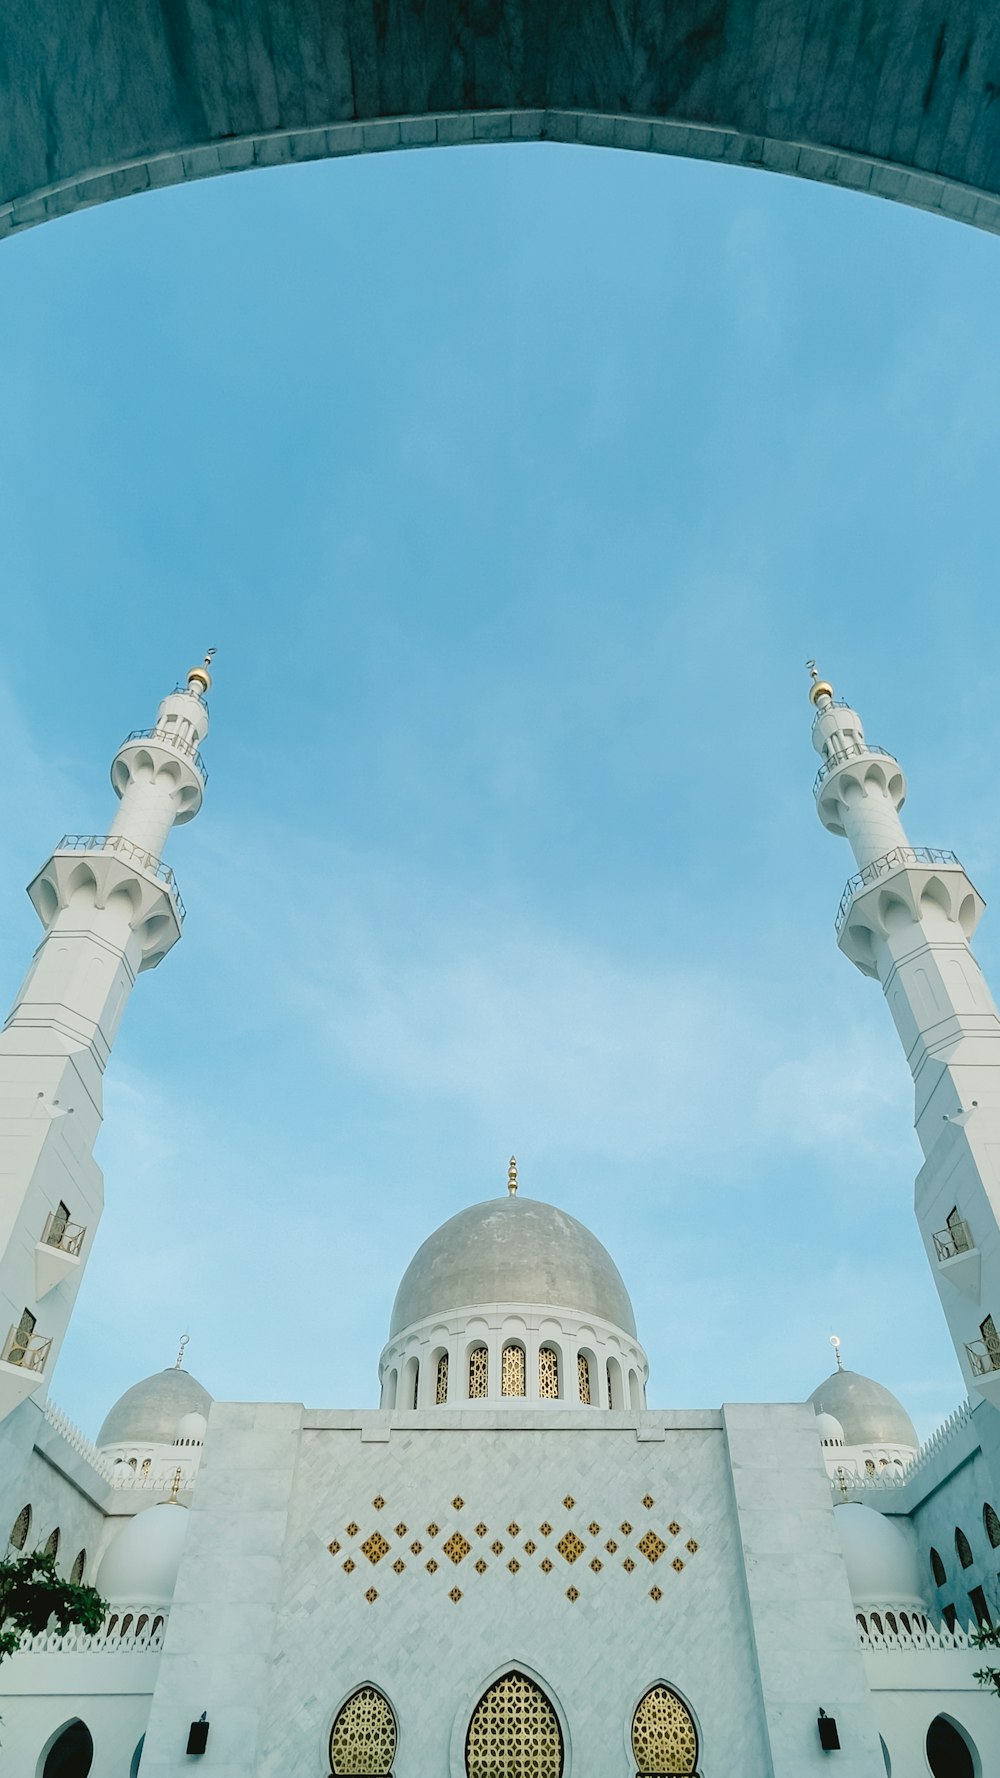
56 1736
359 1685
960 1729
476 1691
670 1685
906 117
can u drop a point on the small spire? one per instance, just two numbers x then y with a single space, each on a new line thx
179 1361
512 1176
175 1488
200 678
820 688
835 1343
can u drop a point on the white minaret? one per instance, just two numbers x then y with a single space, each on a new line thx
906 918
110 908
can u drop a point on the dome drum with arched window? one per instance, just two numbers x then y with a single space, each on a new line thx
512 1302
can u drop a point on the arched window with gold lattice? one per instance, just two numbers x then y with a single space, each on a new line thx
79 1564
20 1528
583 1377
548 1373
991 1525
512 1370
52 1542
963 1548
441 1390
363 1738
514 1729
479 1372
664 1738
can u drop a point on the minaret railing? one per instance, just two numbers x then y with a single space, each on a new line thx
854 750
890 861
130 852
177 742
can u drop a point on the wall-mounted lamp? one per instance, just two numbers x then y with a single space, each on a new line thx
198 1734
829 1739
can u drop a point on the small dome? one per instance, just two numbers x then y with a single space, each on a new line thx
147 1414
882 1565
829 1429
512 1250
140 1564
869 1414
190 1429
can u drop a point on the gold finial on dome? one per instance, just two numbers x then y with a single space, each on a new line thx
835 1343
512 1176
199 678
175 1488
179 1360
820 688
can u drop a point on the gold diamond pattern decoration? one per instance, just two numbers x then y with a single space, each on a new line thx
334 1548
594 1528
625 1528
432 1530
597 1565
353 1529
458 1503
655 1594
674 1528
431 1566
570 1546
455 1595
482 1530
677 1565
611 1546
569 1503
398 1566
375 1547
545 1530
514 1565
415 1549
481 1566
457 1547
401 1530
545 1566
371 1595
378 1503
497 1548
628 1564
651 1546
530 1547
513 1530
349 1566
691 1546
571 1594
648 1501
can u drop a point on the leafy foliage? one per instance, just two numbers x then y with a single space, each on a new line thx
987 1636
31 1594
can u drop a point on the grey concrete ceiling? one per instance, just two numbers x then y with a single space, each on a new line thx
104 98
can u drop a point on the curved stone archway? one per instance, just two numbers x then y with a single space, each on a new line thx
104 98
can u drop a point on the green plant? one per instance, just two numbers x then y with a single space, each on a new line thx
32 1594
987 1636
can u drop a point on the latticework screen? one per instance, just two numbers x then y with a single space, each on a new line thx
22 1525
664 1738
479 1371
364 1735
992 1524
441 1393
514 1733
548 1374
583 1373
79 1564
52 1542
512 1372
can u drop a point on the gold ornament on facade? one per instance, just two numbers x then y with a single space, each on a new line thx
655 1594
512 1371
674 1528
572 1594
353 1529
398 1566
651 1546
481 1529
371 1595
570 1546
664 1738
481 1566
441 1390
583 1379
432 1530
514 1729
349 1566
497 1548
455 1595
648 1501
548 1373
545 1565
458 1503
677 1565
364 1735
374 1547
513 1529
378 1503
479 1373
431 1566
457 1548
514 1565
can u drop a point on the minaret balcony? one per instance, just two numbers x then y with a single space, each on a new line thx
57 1254
108 862
958 1258
898 882
176 743
23 1358
984 1363
843 756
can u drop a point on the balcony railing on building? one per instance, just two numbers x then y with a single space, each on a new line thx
953 1240
178 742
882 867
59 1232
984 1359
843 754
28 1351
143 859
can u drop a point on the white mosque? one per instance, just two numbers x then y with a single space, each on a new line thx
512 1568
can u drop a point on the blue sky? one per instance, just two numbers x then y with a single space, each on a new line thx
513 486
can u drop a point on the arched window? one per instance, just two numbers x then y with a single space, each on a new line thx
512 1373
992 1526
479 1372
514 1729
948 1750
616 1384
937 1569
52 1542
133 1771
389 1387
441 1389
664 1738
963 1548
583 1378
363 1738
71 1754
886 1761
20 1528
79 1564
416 1382
634 1390
548 1373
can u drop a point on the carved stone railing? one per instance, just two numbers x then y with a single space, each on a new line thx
956 1238
139 856
28 1351
77 1440
882 867
127 1629
844 755
177 742
893 1630
947 1430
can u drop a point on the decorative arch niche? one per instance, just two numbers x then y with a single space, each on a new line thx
664 1736
363 1737
514 1728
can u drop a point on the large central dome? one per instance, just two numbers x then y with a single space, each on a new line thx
512 1250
